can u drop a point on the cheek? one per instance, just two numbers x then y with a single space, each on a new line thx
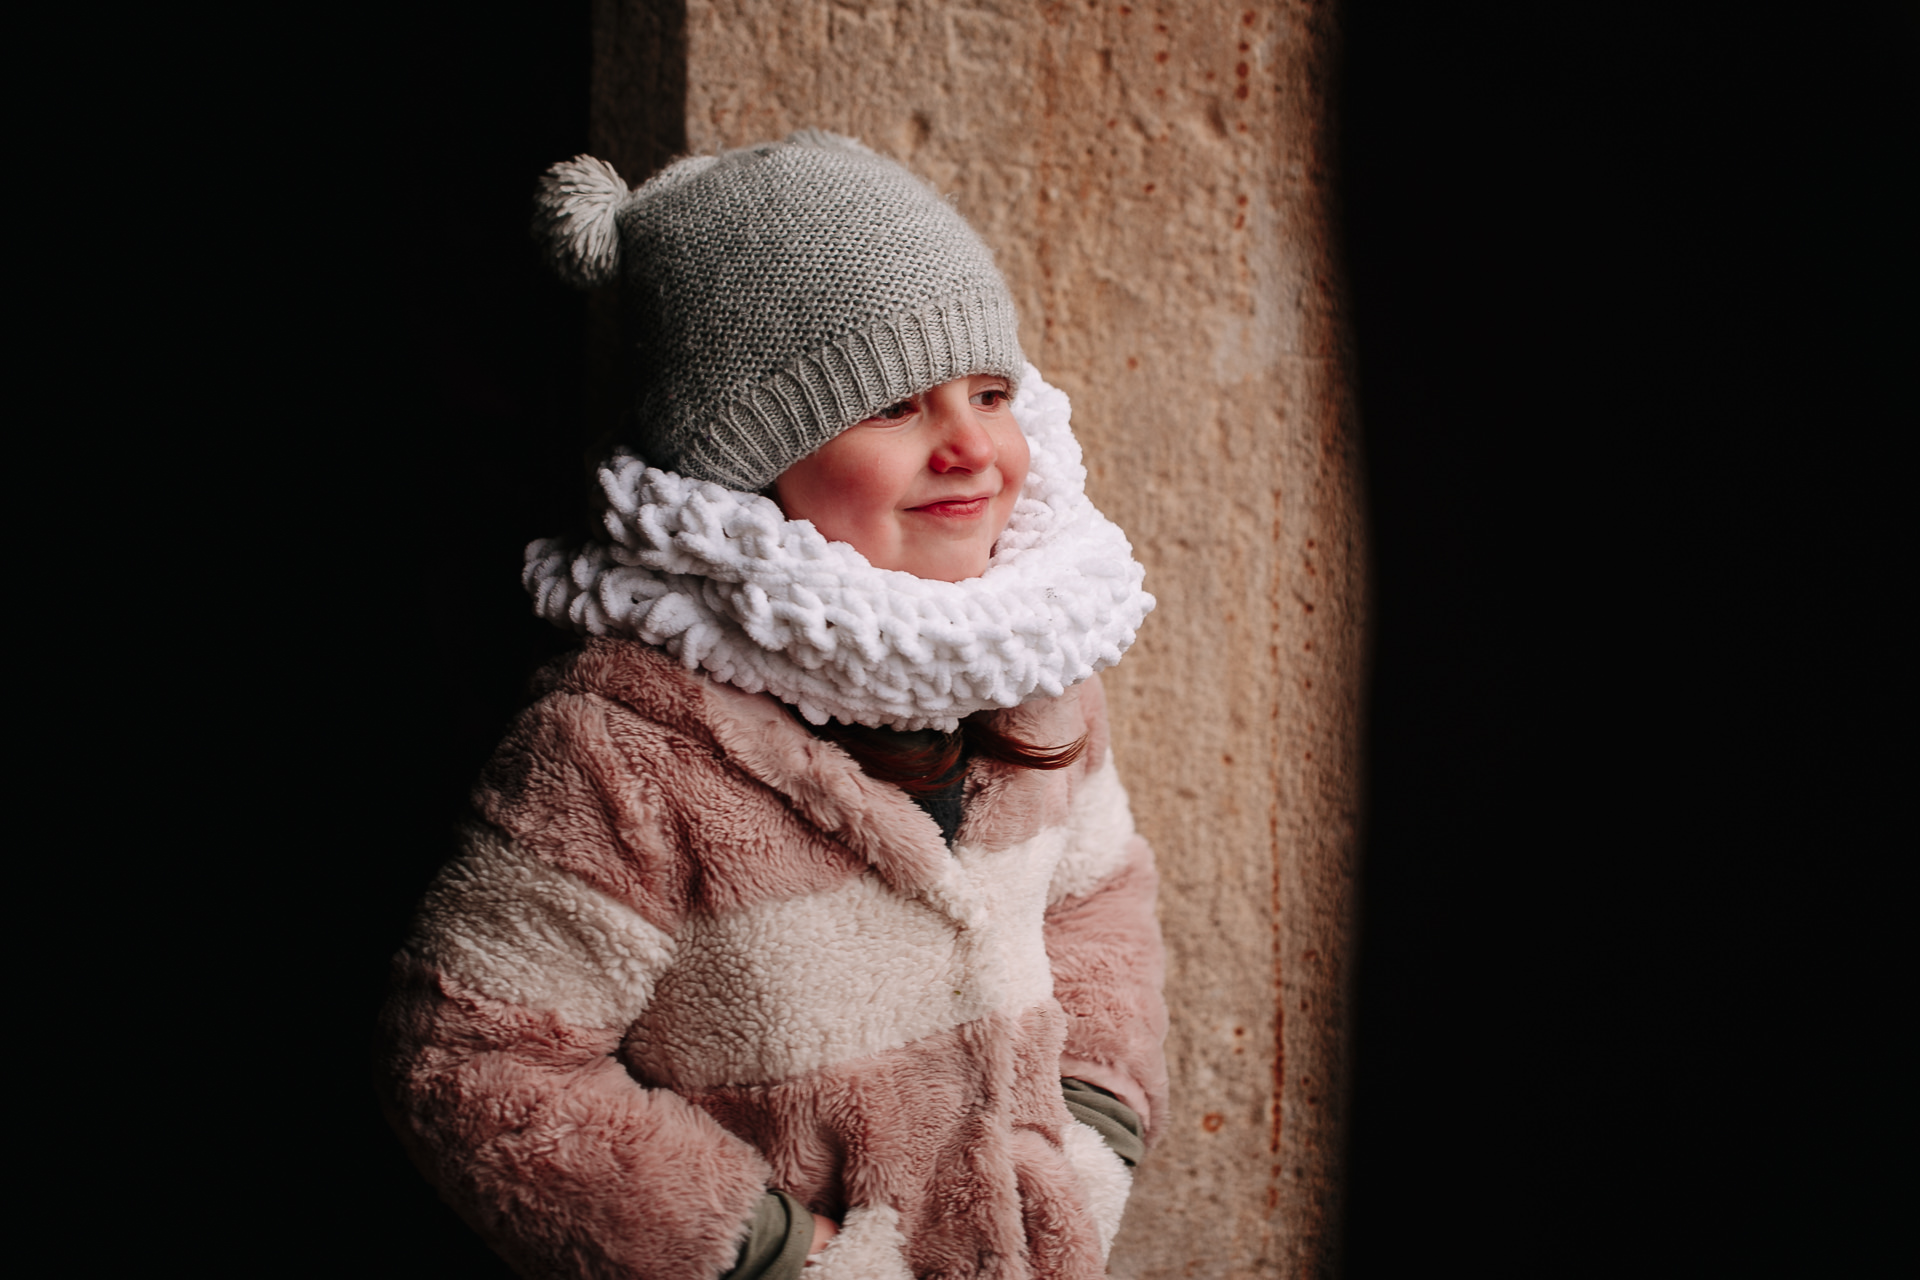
1015 457
808 491
842 489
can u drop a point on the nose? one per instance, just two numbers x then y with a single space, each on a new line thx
962 442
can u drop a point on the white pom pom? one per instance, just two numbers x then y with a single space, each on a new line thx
573 219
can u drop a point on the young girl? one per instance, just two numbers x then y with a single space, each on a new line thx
801 922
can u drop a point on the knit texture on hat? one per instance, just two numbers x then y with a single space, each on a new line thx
777 294
727 584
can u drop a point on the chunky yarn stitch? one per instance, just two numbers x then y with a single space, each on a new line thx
726 583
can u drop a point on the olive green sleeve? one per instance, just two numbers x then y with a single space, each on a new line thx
778 1240
1106 1115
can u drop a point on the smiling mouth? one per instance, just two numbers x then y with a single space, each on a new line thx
956 507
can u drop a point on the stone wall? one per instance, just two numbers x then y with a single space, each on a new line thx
1156 181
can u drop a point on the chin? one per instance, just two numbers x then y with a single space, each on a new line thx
947 568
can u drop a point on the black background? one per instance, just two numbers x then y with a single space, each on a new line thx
1628 285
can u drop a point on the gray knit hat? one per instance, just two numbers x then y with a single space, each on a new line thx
778 294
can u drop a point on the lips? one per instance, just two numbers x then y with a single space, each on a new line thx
956 507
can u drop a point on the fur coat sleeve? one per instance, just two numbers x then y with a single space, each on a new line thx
532 956
1104 941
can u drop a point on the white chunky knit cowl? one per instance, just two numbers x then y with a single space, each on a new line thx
727 584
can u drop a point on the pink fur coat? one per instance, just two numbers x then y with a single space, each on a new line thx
691 952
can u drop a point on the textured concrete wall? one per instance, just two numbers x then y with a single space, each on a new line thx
1155 181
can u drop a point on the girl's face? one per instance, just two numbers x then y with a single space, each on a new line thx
925 486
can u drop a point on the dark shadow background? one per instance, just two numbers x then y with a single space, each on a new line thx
1628 286
1625 288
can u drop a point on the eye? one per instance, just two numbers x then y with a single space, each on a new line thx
893 412
991 398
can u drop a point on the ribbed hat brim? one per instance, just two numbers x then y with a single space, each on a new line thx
816 396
